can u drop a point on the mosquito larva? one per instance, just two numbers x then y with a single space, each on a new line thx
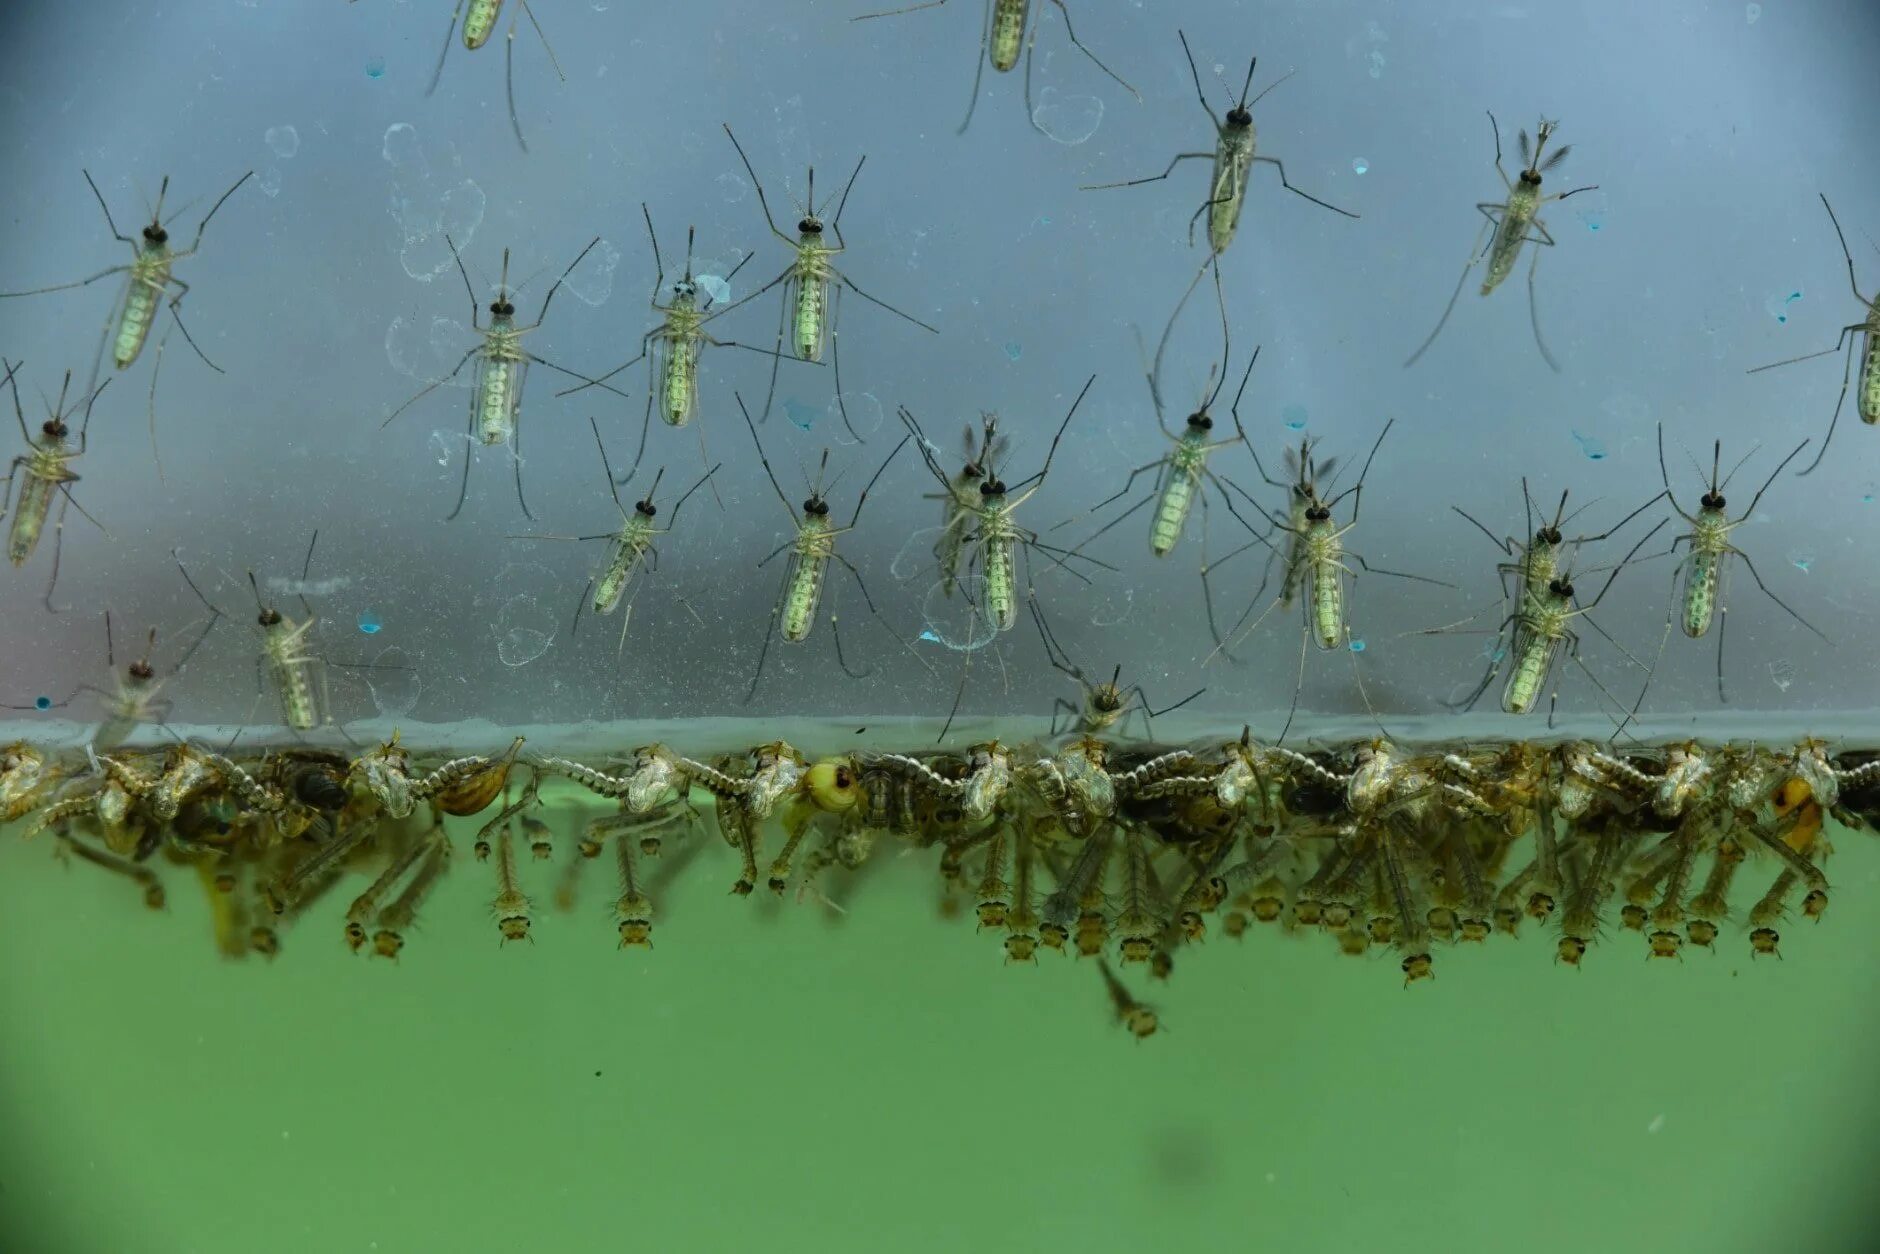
1233 158
1132 1014
633 912
1514 222
397 918
365 907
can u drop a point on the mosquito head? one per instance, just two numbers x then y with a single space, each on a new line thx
1712 500
268 616
1549 536
972 470
140 671
155 233
1239 118
993 486
503 307
815 506
685 289
809 225
1318 513
1562 587
1199 421
55 429
646 508
1533 164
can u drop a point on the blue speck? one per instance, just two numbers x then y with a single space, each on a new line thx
1295 417
797 412
929 636
1802 563
1012 349
375 67
369 622
1359 165
1595 450
42 703
1357 646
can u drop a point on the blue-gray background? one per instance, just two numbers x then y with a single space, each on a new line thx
1710 128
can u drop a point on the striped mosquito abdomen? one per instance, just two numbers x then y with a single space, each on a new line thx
1510 234
479 22
150 275
29 514
1227 192
1534 657
1178 494
1869 399
499 388
809 319
678 368
1328 594
291 669
1710 540
630 548
809 566
1001 578
1008 32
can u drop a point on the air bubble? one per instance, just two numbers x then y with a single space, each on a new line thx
1294 417
1070 120
958 621
1360 166
1357 646
369 622
284 140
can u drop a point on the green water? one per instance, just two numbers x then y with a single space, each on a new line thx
774 1075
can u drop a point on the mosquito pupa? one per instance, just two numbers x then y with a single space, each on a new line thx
1511 224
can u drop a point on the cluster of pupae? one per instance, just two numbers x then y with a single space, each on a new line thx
1081 843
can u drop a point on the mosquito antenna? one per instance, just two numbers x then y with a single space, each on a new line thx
1247 84
870 486
1039 477
259 603
691 233
110 653
1269 87
1359 485
1772 478
308 564
689 491
1739 465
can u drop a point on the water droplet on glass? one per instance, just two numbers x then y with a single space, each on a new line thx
284 140
800 415
592 282
369 622
392 677
1377 63
1065 118
1357 646
1012 350
1751 12
375 67
523 631
1595 450
1114 608
1868 491
865 415
714 287
958 621
270 181
1359 165
1781 673
1777 306
1294 416
734 188
916 553
1802 560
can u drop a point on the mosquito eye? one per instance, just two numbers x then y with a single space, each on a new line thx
648 508
809 226
1239 117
